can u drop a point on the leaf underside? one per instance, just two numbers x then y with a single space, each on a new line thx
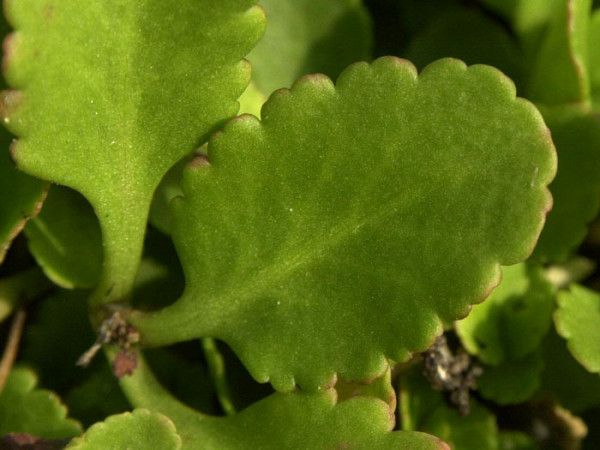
384 204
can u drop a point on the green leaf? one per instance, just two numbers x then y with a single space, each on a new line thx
65 240
453 35
142 90
25 409
576 188
515 440
304 36
512 382
424 409
296 420
512 322
594 58
384 205
565 380
559 71
138 430
577 319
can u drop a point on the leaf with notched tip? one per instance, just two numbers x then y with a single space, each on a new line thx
340 230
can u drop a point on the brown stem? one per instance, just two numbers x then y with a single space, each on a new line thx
12 347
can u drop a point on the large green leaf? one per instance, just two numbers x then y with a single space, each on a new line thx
512 322
280 421
138 430
25 409
65 240
578 321
576 189
382 205
108 112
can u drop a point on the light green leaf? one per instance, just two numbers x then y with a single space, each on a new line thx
65 240
512 382
142 90
384 205
453 35
138 430
559 72
304 36
424 409
576 189
280 421
512 322
25 409
577 320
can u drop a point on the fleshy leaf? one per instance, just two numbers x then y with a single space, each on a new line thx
559 73
453 35
424 409
25 409
296 420
512 322
65 240
304 36
138 430
367 206
143 90
565 380
577 319
576 189
512 381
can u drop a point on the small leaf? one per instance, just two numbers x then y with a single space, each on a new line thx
512 322
565 380
559 72
142 90
65 240
295 420
576 188
424 409
512 382
25 409
138 430
577 320
334 214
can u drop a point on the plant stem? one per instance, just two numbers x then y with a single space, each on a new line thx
12 346
216 367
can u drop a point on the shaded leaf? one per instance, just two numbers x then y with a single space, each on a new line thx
515 440
295 420
576 188
577 319
565 380
512 382
470 36
141 91
304 36
65 240
559 72
138 430
594 55
512 322
342 220
25 409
